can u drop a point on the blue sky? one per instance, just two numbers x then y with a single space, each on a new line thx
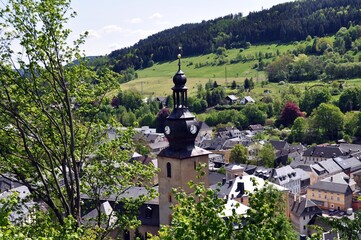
114 24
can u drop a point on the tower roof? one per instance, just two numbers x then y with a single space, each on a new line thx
181 126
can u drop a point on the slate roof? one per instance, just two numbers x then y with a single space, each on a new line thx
203 126
323 152
104 208
349 163
302 174
279 145
132 192
298 207
232 97
284 175
330 166
234 186
350 148
331 187
256 127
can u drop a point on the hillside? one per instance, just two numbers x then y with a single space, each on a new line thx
282 23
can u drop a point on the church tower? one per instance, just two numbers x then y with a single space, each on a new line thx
178 162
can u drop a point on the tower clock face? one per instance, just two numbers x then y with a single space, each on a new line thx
167 130
193 129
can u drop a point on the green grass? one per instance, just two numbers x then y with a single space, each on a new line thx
157 80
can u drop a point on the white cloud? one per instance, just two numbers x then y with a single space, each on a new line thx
114 46
93 34
135 20
156 16
112 29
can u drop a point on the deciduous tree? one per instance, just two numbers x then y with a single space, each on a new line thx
239 154
289 113
49 116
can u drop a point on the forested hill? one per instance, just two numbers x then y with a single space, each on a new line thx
284 22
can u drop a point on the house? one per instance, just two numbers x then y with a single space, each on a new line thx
7 182
217 160
163 101
147 214
247 99
158 146
240 187
205 132
319 153
305 179
287 177
279 145
330 166
348 164
23 210
302 211
232 99
256 127
328 194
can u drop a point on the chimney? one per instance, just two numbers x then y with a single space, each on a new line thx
240 188
223 181
303 237
331 179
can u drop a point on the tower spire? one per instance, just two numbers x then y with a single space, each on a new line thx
181 126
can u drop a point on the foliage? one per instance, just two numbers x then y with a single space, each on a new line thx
282 23
350 99
299 130
199 216
313 97
289 113
347 228
329 119
52 139
267 155
239 154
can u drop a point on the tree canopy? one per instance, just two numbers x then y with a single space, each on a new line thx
52 139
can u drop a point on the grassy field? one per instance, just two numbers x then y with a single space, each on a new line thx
157 80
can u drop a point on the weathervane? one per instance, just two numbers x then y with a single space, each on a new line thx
179 57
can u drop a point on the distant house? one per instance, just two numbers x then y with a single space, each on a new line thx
287 177
205 132
302 211
329 194
162 101
319 153
232 99
247 99
256 127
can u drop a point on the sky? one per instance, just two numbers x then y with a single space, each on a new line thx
114 24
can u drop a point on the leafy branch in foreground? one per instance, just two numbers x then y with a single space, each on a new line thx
49 125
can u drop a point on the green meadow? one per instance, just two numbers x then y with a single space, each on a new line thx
157 80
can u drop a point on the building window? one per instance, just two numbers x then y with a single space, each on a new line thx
194 165
325 196
169 170
304 227
148 212
331 197
319 195
338 199
170 197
